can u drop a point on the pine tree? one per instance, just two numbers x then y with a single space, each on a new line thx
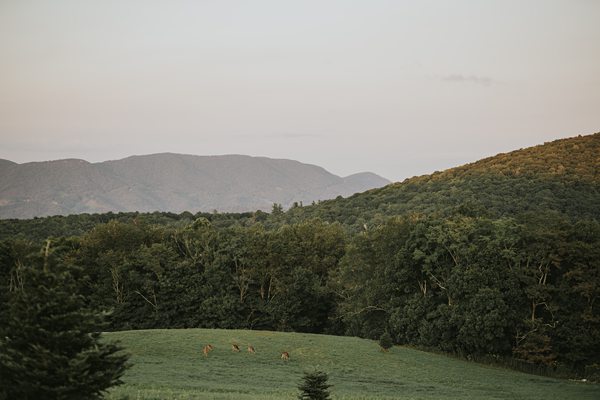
314 386
50 345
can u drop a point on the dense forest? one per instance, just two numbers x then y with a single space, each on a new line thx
500 257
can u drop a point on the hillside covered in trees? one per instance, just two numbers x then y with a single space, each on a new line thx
562 176
497 258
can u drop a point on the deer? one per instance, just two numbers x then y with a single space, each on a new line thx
235 348
206 349
285 356
251 349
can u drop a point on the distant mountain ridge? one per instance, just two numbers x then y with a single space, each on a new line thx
168 182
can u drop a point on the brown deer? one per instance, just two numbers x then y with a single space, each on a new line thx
207 349
235 348
285 356
251 349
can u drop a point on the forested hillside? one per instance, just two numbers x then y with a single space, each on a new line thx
498 258
563 176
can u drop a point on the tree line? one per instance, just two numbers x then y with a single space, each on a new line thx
513 287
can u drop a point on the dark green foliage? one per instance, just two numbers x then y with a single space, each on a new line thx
50 345
76 225
385 341
277 209
314 386
476 286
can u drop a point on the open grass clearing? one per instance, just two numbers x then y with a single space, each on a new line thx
169 364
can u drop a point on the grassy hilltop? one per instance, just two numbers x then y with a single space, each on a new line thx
169 364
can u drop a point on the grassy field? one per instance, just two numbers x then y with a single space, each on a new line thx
169 364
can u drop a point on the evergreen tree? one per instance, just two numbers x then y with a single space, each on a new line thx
314 386
50 345
385 341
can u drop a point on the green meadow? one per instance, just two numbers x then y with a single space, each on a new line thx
169 364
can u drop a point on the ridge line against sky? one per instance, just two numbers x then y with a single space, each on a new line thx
397 88
188 155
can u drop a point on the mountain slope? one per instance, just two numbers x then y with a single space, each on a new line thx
167 182
560 176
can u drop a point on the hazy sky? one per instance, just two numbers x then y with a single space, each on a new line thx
399 88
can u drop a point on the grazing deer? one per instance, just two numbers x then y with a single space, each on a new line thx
235 348
285 356
206 349
251 349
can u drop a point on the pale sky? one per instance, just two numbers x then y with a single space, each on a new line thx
399 88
